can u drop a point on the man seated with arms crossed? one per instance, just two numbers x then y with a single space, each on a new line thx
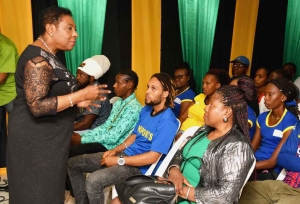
121 121
279 191
152 136
88 72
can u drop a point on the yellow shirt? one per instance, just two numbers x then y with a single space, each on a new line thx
195 113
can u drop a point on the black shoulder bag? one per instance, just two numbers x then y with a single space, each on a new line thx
142 189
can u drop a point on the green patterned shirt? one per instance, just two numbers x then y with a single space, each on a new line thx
123 118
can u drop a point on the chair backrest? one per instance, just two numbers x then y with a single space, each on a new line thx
177 145
114 99
282 174
248 176
152 167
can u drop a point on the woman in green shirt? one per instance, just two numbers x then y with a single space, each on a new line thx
214 164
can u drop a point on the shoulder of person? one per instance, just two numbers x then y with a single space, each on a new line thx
290 114
200 97
263 115
236 138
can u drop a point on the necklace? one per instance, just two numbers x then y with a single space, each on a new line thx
46 46
275 118
182 91
119 114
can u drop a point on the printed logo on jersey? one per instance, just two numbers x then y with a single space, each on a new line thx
145 133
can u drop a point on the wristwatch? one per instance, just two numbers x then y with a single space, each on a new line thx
121 160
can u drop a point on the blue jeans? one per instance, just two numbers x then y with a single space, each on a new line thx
90 190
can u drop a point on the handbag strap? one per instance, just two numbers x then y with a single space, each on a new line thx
140 178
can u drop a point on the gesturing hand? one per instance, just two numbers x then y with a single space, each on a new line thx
95 92
87 104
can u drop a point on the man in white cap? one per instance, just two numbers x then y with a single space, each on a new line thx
88 73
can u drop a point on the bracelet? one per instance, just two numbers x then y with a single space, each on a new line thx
125 145
71 102
174 165
187 193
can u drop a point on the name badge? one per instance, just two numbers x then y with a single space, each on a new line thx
277 133
177 100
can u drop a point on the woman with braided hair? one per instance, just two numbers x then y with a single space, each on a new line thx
213 165
247 84
274 127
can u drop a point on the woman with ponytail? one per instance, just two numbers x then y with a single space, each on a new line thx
246 84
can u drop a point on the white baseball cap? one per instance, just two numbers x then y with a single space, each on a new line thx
95 66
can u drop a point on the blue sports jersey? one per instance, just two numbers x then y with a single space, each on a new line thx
289 158
187 95
252 121
271 135
153 133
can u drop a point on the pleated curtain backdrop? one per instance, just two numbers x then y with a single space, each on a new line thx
146 32
197 28
244 30
15 22
89 17
292 33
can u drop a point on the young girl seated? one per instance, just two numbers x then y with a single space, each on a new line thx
274 127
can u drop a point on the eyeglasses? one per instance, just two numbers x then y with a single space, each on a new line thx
237 66
179 76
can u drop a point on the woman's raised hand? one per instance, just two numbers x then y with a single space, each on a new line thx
95 92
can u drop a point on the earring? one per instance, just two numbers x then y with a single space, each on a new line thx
225 120
51 34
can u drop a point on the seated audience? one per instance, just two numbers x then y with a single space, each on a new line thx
121 121
276 74
290 69
246 84
239 66
185 88
274 127
88 72
150 139
193 115
213 165
279 191
260 80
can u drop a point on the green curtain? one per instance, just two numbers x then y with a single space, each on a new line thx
197 29
292 33
89 17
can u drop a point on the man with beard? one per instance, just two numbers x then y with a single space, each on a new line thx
88 72
152 136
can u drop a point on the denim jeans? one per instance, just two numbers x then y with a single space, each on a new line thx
90 190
